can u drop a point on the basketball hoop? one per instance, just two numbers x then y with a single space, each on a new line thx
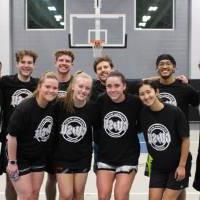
97 47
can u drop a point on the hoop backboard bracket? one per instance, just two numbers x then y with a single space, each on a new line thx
110 28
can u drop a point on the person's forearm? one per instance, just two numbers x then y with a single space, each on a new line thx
12 147
184 151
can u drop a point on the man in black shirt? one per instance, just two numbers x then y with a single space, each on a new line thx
64 62
174 91
14 89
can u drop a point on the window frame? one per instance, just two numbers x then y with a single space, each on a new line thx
43 29
155 29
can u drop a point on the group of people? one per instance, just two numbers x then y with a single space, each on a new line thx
55 123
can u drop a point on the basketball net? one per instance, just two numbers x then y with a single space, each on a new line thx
97 47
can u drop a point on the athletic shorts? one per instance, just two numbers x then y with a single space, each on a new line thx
65 168
167 180
27 166
49 167
117 169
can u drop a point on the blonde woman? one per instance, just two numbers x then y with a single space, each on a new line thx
29 131
73 149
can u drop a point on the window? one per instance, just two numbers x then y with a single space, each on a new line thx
45 14
154 14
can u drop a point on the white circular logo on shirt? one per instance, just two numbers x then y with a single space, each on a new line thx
168 98
73 129
42 133
62 93
19 95
158 137
115 124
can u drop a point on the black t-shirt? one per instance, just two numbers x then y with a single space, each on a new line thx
97 89
116 128
179 94
73 141
63 86
32 126
13 92
163 132
1 103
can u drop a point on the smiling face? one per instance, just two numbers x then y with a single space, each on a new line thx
148 95
64 64
103 69
115 88
165 69
47 90
81 89
25 66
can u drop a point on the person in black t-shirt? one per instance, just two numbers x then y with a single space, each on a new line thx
117 139
166 133
29 135
63 60
14 89
173 91
73 141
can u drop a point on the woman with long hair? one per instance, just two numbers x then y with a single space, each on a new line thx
166 133
29 132
73 147
117 139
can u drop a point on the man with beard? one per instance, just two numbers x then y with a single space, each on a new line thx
14 89
63 60
175 92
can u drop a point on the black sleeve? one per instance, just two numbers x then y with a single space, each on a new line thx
193 96
181 124
96 108
17 121
132 86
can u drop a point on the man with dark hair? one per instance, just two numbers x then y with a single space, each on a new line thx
14 89
175 92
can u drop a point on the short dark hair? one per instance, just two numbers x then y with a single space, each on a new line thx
61 52
21 53
101 59
152 84
165 57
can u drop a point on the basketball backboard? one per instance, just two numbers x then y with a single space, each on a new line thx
109 28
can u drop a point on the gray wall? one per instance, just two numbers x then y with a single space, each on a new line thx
136 61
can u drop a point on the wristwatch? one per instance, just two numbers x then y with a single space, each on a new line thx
12 162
